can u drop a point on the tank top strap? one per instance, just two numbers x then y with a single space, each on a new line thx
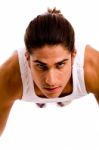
25 75
80 46
79 68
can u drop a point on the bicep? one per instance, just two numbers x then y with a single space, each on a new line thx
5 106
10 79
6 100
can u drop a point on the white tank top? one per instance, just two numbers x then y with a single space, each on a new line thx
79 89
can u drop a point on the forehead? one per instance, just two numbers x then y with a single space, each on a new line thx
50 53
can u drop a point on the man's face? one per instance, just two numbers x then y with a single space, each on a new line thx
51 69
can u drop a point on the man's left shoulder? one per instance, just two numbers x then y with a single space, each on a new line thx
91 69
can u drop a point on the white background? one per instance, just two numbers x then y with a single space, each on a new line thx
74 127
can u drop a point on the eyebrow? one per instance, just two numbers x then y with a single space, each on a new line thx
38 61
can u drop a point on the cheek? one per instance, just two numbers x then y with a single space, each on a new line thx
67 72
36 75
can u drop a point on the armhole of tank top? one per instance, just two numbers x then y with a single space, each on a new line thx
22 69
80 46
27 81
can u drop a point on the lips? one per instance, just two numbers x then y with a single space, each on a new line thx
52 90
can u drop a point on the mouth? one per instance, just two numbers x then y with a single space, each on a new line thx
53 90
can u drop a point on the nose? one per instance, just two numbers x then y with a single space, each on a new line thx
51 78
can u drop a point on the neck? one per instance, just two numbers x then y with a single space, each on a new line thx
68 88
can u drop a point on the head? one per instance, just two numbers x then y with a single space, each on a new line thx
49 41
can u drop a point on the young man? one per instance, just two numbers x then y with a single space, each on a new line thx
52 68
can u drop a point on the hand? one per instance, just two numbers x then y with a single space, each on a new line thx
62 104
40 105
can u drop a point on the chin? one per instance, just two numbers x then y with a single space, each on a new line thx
52 95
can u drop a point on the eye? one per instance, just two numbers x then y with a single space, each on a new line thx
41 66
60 65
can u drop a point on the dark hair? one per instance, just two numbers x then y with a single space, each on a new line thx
50 28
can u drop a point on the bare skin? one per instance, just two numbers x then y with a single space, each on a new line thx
11 84
9 77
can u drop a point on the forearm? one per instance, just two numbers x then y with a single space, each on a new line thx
3 121
4 114
97 97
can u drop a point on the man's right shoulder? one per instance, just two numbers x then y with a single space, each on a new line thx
10 79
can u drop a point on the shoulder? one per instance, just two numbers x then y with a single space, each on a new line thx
91 69
10 79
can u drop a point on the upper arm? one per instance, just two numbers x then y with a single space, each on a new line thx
10 87
5 100
91 70
10 79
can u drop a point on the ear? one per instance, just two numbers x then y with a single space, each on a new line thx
73 55
27 56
